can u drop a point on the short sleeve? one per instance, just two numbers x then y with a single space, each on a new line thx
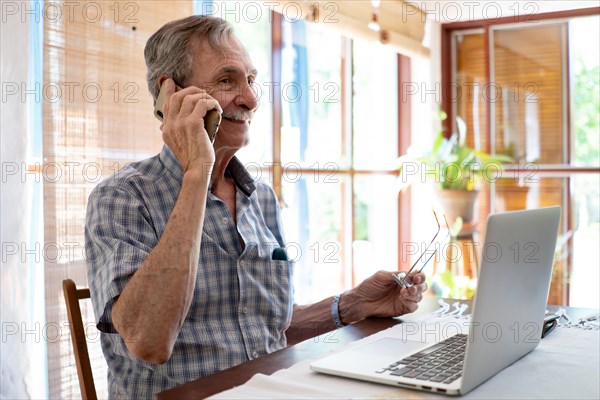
119 236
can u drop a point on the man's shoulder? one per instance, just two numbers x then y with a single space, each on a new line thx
131 175
266 196
264 191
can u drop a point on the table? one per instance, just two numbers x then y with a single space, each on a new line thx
270 363
240 374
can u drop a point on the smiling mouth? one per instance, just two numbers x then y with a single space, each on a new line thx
237 121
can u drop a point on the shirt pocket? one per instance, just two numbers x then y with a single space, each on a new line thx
282 272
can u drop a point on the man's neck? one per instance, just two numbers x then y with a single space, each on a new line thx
223 186
222 159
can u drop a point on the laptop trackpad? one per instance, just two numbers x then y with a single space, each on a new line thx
390 346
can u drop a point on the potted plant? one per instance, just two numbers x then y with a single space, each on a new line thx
456 169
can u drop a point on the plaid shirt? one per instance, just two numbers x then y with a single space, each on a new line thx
242 303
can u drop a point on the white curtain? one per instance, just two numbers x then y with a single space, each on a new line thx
24 331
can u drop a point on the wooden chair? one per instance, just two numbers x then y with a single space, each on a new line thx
78 338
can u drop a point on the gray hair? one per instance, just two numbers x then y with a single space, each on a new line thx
169 53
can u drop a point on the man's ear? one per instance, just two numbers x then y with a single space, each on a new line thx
160 80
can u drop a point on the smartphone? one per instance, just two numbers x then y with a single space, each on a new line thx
212 119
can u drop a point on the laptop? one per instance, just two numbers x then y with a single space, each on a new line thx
507 318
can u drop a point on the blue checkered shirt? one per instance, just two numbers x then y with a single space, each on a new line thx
242 303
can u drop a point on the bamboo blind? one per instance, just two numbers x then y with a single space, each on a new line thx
472 81
528 63
97 116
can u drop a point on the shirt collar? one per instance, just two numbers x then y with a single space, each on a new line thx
242 178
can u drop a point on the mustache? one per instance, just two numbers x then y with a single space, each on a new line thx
237 114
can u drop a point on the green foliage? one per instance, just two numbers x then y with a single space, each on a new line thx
452 164
587 115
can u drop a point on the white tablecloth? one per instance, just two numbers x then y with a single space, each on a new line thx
565 365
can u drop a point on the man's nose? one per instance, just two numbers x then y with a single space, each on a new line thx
247 97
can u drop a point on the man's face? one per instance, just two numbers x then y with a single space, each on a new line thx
228 76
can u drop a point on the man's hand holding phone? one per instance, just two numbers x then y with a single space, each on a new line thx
186 113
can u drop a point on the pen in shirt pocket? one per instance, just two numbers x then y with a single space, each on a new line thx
279 254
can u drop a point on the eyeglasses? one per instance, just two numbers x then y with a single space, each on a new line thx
401 276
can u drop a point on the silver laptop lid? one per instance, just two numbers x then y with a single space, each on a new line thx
514 282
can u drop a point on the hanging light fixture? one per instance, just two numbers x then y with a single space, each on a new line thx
374 24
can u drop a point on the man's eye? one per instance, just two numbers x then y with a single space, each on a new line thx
225 81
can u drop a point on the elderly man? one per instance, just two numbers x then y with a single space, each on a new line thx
184 249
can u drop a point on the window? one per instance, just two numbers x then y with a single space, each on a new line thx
533 93
339 144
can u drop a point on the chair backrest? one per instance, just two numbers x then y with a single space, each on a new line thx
78 338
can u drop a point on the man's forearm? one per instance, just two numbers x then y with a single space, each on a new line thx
309 321
151 309
315 319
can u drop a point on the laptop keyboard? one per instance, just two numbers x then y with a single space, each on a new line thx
442 362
